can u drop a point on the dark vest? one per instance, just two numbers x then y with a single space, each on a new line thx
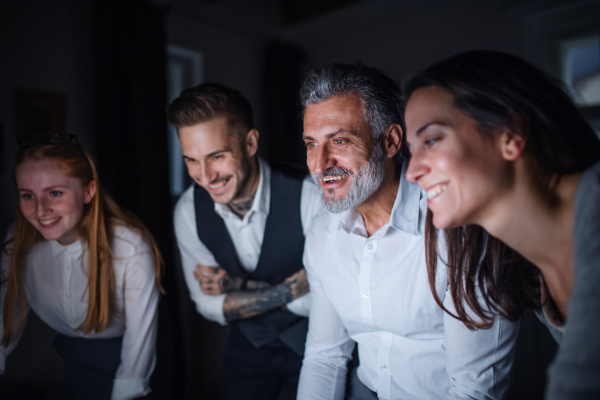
280 255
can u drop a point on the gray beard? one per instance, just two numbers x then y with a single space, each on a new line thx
366 181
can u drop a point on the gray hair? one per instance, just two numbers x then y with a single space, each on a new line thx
379 93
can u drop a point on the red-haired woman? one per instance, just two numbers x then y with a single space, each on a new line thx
87 268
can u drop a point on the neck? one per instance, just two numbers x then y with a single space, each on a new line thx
243 202
377 209
541 232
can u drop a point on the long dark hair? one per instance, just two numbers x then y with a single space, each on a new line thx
501 91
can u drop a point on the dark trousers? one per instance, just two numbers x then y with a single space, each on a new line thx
89 366
262 374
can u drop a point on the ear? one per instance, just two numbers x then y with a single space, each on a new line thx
251 144
89 192
392 140
511 145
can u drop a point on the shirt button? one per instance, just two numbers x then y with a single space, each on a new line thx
364 297
369 246
383 366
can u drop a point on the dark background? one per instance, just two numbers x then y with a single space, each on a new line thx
107 59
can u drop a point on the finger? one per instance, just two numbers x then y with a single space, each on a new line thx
207 270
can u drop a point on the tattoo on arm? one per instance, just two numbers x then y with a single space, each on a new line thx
248 303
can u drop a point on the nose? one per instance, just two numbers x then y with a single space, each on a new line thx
204 174
42 207
417 168
322 160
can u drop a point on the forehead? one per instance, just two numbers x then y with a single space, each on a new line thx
427 105
40 174
206 137
339 112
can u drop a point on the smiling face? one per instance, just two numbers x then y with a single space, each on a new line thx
216 160
342 155
52 201
461 168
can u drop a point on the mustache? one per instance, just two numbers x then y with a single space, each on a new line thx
334 171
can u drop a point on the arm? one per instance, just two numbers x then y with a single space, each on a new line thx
138 353
244 300
576 368
241 304
328 350
479 361
192 252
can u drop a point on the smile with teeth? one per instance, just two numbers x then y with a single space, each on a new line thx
333 178
436 190
219 184
49 222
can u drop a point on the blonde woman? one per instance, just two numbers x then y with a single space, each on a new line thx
87 268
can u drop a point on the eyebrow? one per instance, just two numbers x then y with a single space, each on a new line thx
334 134
44 189
436 122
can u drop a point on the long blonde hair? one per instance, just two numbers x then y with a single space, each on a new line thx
95 232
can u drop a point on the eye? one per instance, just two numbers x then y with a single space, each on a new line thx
339 141
431 141
26 196
310 145
217 156
55 193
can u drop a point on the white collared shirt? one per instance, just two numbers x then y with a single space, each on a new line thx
56 280
374 291
246 234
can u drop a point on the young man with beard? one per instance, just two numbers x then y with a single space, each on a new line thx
240 229
365 260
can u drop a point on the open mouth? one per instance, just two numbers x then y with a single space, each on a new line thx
328 179
436 190
219 185
48 223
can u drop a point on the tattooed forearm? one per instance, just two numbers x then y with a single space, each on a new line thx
248 303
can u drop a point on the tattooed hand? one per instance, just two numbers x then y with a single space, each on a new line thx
298 284
248 303
215 280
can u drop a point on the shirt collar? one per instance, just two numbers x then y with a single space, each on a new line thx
405 212
69 249
261 203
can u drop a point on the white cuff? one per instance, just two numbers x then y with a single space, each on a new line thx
125 389
300 306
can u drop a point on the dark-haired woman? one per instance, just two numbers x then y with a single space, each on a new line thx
86 268
512 174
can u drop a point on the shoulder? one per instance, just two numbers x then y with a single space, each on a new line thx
322 225
587 198
185 204
127 242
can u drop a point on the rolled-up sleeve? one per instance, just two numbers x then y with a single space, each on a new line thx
138 353
478 361
193 252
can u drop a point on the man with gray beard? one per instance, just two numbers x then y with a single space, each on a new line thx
365 260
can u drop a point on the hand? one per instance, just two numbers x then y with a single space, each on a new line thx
298 284
215 280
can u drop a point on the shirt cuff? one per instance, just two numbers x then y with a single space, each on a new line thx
125 389
211 307
300 306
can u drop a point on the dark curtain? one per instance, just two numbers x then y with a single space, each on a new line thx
283 76
130 84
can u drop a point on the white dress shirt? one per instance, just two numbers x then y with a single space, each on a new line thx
246 234
374 291
56 281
